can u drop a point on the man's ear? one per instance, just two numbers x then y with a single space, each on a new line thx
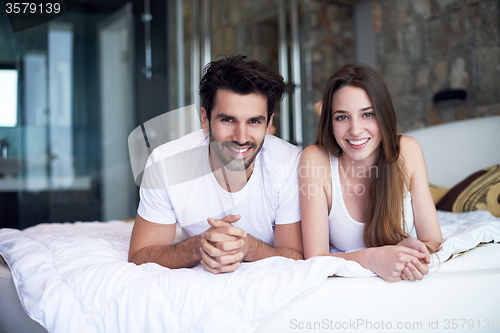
204 119
269 128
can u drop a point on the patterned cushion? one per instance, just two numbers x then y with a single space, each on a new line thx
479 191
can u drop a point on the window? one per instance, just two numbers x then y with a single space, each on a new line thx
8 95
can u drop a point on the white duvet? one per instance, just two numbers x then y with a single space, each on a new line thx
74 277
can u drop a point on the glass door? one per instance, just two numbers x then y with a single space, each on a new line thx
66 147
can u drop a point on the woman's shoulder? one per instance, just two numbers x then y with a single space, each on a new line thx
316 161
315 165
315 153
411 152
410 148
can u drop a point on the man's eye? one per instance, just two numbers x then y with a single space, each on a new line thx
226 120
255 121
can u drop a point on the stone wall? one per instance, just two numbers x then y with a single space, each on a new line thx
426 46
331 41
249 27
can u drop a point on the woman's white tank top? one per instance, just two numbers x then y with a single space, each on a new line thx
346 234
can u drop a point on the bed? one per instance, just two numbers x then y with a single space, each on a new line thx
74 277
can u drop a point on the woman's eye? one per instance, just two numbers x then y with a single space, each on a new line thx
341 118
368 114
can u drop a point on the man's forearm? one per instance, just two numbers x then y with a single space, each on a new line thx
185 254
258 250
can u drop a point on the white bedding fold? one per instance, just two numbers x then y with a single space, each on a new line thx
464 231
74 277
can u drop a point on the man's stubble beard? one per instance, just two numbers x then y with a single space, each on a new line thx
230 162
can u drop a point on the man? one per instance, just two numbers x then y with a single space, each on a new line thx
232 189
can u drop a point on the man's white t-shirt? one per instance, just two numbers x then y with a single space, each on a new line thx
178 186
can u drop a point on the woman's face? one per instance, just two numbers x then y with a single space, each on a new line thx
355 126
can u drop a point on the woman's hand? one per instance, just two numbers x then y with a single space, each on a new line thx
412 271
414 243
392 261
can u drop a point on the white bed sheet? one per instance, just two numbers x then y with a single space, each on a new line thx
465 291
75 278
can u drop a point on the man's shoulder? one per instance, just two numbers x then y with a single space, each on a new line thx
278 152
275 145
183 144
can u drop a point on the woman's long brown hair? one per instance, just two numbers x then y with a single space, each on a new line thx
387 188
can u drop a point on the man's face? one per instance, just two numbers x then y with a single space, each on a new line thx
237 127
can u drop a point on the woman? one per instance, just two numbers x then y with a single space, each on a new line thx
364 188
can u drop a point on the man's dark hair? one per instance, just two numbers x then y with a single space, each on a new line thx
243 77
